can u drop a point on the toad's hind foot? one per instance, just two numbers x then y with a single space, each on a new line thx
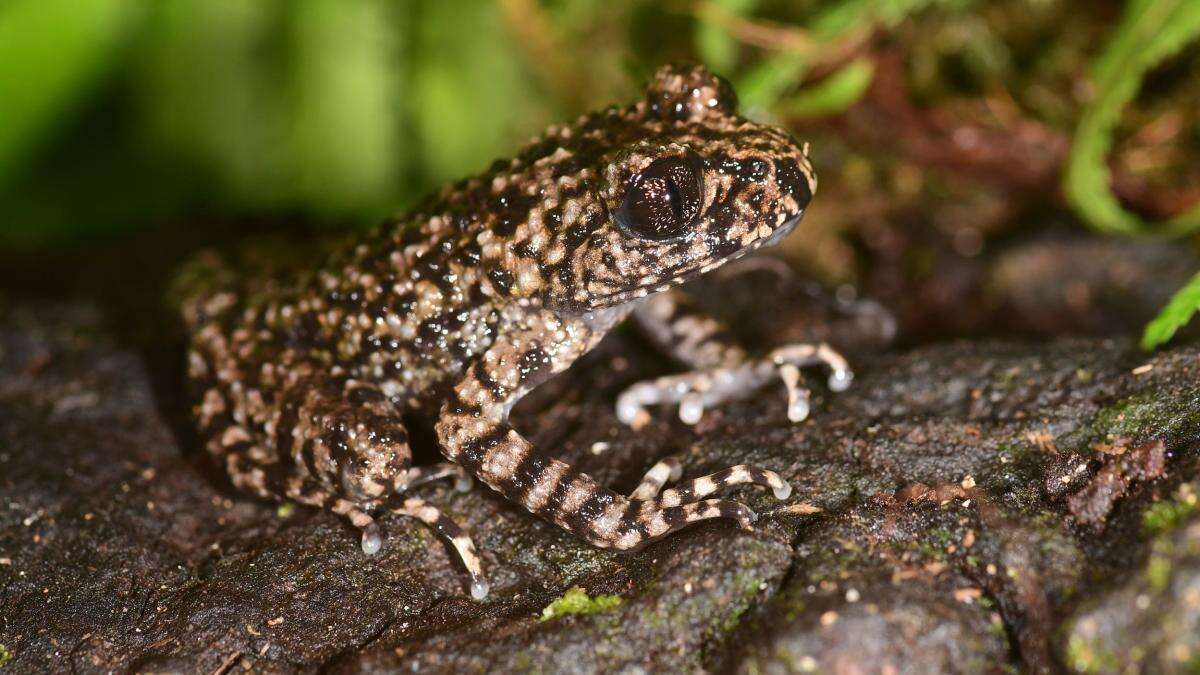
454 536
742 474
669 471
655 522
372 540
695 391
658 512
502 459
665 471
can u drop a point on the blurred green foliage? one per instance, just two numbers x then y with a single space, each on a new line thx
764 84
1150 31
117 114
835 93
42 77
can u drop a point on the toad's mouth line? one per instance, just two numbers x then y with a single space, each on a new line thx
782 231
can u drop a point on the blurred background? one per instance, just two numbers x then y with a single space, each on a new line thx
1034 159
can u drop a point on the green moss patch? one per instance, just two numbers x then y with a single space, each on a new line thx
577 601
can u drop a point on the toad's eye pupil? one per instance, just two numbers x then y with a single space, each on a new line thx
664 199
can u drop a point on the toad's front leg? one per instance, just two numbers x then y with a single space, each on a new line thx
721 369
474 432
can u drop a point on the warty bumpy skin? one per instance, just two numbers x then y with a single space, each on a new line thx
455 310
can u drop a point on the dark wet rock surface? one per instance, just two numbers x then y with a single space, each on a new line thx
964 507
1053 283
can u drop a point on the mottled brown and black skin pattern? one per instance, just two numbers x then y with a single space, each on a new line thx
459 307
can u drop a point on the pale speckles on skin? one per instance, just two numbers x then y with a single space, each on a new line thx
556 253
234 435
500 363
529 275
212 405
656 525
627 541
430 300
474 393
579 491
604 526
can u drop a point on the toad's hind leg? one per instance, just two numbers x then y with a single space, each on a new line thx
356 454
550 488
475 435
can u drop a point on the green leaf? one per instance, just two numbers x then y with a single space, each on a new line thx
1175 315
51 53
761 86
1150 31
841 18
834 94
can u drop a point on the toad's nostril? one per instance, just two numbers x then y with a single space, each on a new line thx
792 180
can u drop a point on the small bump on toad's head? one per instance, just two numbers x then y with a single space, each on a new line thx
689 94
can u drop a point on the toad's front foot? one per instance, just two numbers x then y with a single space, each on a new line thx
695 391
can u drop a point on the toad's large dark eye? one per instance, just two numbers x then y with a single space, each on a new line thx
664 199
